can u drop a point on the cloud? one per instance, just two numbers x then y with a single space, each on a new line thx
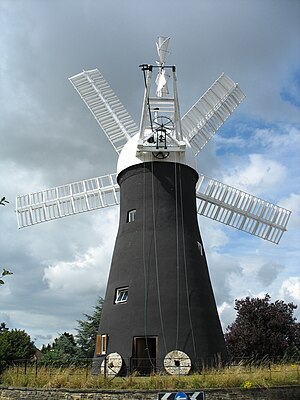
223 267
268 272
87 271
293 203
290 289
81 275
43 337
291 91
227 315
259 175
212 234
237 141
225 270
280 137
290 293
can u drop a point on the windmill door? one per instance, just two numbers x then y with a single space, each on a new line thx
144 354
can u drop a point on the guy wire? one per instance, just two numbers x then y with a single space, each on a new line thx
185 266
177 255
156 258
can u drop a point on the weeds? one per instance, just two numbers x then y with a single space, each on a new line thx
244 376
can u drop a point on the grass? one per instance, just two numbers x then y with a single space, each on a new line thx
232 376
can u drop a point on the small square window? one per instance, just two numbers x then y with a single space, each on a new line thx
131 215
121 295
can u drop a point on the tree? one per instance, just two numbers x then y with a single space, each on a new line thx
15 344
3 327
88 328
63 348
263 329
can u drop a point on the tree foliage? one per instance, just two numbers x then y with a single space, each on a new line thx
15 344
67 347
87 330
63 348
3 327
263 329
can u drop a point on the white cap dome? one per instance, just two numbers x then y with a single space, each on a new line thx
128 157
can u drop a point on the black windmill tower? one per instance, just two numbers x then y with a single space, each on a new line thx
159 309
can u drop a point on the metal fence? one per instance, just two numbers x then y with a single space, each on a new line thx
110 367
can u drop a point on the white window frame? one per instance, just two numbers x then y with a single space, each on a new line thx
104 340
101 344
131 215
200 248
121 295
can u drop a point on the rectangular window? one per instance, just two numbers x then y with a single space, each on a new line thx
101 344
200 248
104 339
131 215
121 295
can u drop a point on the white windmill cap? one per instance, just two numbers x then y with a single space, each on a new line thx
128 157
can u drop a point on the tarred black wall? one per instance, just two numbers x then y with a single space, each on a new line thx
157 256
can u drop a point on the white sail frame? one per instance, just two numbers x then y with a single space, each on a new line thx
238 209
105 106
209 113
61 201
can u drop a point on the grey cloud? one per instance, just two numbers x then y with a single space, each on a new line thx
269 272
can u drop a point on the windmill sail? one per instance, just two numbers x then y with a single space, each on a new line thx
210 112
241 210
70 199
109 112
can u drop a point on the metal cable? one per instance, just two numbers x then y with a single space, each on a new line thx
145 267
177 255
156 259
185 265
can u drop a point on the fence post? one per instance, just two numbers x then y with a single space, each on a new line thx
105 366
87 369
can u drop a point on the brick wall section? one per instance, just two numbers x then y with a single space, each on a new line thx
280 393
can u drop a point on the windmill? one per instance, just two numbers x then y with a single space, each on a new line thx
159 309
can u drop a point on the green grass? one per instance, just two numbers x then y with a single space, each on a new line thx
231 376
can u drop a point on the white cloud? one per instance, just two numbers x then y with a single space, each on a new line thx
225 270
260 174
293 203
290 289
212 234
88 271
81 275
227 315
237 141
290 293
290 138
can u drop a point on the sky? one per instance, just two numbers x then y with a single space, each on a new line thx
49 138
